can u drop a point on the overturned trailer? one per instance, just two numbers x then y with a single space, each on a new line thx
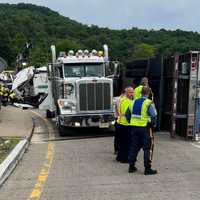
181 100
175 82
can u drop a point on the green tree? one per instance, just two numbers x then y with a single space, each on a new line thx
144 51
39 57
67 44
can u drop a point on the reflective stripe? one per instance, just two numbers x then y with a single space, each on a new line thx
137 116
140 116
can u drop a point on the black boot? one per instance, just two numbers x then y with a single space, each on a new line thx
132 169
150 172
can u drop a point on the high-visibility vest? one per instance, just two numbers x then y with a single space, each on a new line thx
138 92
4 91
139 115
1 91
124 105
12 95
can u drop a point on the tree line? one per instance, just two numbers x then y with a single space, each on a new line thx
41 27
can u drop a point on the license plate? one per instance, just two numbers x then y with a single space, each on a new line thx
103 125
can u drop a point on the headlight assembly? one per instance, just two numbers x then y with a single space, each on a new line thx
66 104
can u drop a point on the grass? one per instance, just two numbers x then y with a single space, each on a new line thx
6 146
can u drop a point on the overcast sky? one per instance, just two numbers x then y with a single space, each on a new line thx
125 14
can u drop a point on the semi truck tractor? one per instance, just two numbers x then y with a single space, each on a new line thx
79 93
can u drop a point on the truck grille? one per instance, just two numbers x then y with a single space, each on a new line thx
94 96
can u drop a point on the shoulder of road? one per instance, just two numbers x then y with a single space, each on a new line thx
14 123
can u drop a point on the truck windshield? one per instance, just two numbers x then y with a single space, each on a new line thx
84 70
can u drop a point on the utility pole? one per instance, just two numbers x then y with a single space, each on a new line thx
23 57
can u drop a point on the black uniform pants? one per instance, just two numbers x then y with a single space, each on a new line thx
124 140
116 137
141 137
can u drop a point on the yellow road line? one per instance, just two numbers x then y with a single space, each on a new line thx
37 191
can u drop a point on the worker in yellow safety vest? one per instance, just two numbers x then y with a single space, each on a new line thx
6 95
12 96
142 116
138 89
1 91
117 101
123 127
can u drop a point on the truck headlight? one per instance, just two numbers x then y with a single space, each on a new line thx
66 104
61 103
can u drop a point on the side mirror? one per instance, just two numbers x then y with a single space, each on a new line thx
116 67
112 69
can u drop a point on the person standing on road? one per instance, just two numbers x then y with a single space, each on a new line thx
117 108
142 116
123 128
138 89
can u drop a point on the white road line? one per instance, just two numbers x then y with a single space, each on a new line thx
198 146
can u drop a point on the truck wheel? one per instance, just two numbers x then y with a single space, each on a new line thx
49 114
110 130
61 130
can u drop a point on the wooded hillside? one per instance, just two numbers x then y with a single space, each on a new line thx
42 27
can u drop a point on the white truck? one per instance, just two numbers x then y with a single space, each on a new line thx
79 93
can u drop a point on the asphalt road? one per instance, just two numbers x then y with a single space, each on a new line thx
57 168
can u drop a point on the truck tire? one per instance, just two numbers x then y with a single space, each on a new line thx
61 129
50 114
